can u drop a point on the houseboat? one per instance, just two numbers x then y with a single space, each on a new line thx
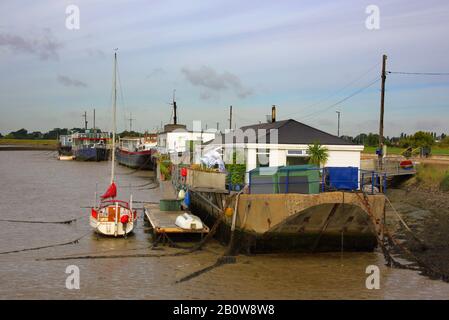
65 147
137 152
91 146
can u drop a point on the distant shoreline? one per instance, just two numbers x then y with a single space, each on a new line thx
27 144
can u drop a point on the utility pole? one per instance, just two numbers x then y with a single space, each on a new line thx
85 120
382 101
175 118
130 122
230 118
338 126
94 122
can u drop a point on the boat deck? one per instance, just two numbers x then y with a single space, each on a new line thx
163 222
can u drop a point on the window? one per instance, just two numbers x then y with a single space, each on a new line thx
263 158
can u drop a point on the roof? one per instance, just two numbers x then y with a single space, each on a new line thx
289 132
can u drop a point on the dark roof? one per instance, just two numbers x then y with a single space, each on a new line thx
289 132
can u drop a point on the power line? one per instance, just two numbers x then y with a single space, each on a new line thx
338 91
342 100
420 73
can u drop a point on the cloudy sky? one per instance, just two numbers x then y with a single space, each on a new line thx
303 56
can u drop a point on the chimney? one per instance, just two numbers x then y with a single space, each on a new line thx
273 113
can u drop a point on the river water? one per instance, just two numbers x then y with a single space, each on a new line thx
35 186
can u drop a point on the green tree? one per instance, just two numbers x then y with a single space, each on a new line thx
422 139
318 154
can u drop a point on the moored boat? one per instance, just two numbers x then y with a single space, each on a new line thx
65 146
137 153
113 217
91 146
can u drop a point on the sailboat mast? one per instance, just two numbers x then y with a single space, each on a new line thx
114 107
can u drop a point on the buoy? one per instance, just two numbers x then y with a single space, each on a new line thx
229 212
181 194
124 219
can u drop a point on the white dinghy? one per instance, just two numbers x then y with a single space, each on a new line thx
188 221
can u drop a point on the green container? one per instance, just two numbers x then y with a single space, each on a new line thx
303 179
170 205
264 180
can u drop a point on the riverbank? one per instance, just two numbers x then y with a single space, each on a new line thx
427 215
27 144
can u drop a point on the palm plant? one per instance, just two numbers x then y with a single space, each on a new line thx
318 154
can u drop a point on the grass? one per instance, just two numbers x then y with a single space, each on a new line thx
433 176
437 151
13 142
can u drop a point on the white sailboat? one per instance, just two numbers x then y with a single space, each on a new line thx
113 217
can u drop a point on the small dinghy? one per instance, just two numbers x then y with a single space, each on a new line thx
65 158
189 221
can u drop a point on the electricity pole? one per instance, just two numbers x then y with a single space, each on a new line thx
338 126
94 122
230 118
131 122
175 118
85 120
382 101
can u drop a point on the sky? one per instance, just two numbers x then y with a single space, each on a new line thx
305 57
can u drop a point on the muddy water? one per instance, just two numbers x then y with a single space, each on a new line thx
35 186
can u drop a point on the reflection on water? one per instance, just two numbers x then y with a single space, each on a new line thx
35 186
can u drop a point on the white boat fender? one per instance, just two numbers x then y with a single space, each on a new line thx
181 194
189 222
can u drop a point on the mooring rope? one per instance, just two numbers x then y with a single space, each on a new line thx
38 221
403 222
75 241
423 267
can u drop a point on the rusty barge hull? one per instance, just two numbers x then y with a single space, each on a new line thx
324 222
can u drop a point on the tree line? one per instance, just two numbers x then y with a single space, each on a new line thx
56 133
415 140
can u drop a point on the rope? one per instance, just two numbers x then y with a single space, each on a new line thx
75 241
425 268
403 222
51 222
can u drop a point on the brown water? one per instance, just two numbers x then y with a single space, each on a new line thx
35 186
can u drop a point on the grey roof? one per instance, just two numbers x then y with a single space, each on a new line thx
289 132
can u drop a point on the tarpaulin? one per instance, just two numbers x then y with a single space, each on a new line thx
343 178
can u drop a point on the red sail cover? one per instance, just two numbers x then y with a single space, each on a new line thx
111 192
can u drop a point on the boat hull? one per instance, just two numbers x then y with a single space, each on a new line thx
141 160
65 150
91 154
108 220
110 228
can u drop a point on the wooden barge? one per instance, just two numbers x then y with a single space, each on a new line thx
329 221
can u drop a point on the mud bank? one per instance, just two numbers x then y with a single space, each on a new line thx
427 214
24 147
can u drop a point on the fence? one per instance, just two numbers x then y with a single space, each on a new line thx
301 179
